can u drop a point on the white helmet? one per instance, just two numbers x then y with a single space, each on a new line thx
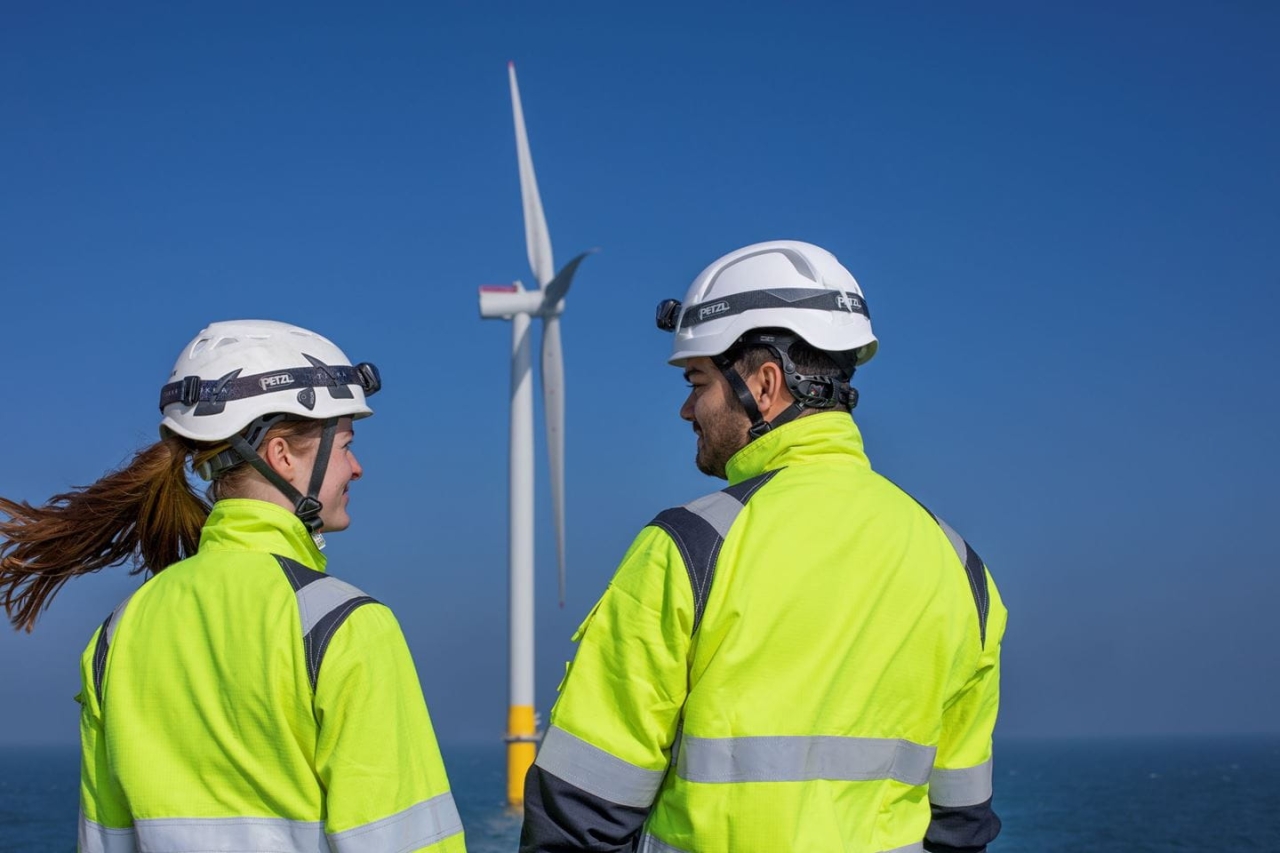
238 378
237 371
770 295
783 284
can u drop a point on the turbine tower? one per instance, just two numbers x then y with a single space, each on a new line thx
513 302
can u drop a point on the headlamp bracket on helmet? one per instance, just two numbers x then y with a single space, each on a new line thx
370 378
668 315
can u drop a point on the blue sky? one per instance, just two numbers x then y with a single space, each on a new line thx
1065 221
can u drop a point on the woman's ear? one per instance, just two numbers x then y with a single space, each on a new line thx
280 456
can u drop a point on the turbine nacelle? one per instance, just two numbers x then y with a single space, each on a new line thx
504 301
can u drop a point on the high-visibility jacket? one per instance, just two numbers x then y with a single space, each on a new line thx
243 700
806 660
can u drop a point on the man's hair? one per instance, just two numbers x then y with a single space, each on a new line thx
807 359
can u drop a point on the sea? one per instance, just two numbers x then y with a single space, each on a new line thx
1074 796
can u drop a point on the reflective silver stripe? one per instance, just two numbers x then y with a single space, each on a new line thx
317 599
966 786
417 826
803 758
597 772
652 844
231 833
104 645
956 540
115 616
717 509
96 838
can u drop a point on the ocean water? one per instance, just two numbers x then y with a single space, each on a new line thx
1081 796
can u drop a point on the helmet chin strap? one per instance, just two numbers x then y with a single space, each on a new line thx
306 507
810 391
759 426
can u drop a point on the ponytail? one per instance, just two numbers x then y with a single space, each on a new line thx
145 513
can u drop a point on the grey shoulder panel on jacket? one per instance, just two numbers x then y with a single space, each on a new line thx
104 644
324 603
699 529
975 570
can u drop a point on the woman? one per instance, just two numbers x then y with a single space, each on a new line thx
240 699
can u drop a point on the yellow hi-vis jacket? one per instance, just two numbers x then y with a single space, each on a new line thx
243 700
804 661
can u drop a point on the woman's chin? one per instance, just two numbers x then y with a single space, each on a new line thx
333 525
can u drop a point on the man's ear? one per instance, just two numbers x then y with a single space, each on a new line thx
769 386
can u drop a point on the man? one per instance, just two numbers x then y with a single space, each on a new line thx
806 660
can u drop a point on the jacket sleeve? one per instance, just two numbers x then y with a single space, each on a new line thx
104 815
609 743
377 754
960 787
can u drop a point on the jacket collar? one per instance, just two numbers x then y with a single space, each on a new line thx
240 524
813 438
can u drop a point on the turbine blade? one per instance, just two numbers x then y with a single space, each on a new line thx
536 236
559 286
553 407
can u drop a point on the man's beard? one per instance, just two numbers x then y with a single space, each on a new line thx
720 437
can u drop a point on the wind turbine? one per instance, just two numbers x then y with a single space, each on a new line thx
512 302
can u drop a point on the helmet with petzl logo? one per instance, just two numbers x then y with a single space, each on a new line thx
771 295
783 284
238 378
